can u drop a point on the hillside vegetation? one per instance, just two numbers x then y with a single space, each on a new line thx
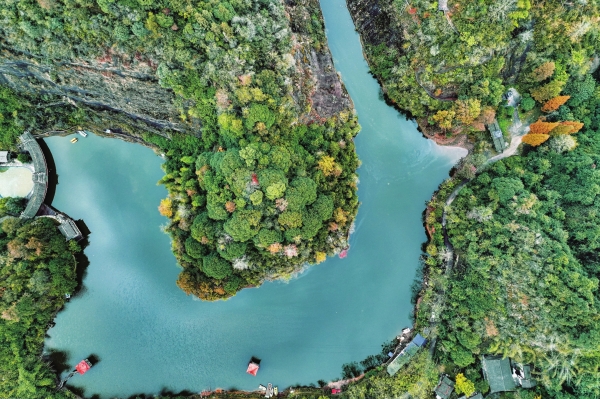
522 279
450 69
526 285
37 269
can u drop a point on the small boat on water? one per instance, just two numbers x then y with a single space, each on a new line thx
74 140
275 391
253 366
82 133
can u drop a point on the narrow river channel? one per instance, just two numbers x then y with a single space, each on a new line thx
150 336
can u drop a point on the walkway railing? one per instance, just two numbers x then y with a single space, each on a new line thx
40 175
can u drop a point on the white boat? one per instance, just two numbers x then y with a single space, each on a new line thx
82 133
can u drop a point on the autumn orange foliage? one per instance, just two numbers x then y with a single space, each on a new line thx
554 103
230 206
540 127
535 139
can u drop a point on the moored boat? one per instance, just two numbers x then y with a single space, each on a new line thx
82 133
74 140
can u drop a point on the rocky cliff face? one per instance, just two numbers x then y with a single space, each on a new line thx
123 86
124 90
318 90
374 21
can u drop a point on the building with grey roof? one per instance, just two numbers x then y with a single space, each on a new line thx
497 372
497 137
68 228
444 388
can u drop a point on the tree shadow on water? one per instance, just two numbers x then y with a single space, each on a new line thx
58 361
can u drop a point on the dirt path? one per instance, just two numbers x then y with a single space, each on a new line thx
339 384
517 131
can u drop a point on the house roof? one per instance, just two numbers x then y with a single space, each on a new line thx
496 371
419 340
524 377
403 358
475 396
68 228
444 387
3 156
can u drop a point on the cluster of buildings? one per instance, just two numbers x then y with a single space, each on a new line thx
501 374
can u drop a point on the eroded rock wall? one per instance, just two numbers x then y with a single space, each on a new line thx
374 21
317 88
124 90
109 83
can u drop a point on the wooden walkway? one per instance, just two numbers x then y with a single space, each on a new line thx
40 175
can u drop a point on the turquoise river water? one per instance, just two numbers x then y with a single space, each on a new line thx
150 336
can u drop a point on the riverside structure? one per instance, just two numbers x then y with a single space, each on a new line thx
40 175
67 226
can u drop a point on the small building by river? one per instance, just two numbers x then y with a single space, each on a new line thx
68 228
407 354
4 157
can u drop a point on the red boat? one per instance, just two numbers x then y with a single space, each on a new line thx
83 366
252 368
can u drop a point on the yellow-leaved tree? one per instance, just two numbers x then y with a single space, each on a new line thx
535 139
464 385
165 207
444 119
327 165
467 110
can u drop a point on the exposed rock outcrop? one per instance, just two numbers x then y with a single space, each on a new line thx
112 83
374 23
317 86
123 90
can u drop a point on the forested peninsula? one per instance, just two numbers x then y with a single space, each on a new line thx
240 96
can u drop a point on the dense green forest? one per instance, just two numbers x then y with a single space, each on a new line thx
526 284
450 69
523 281
265 184
37 269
